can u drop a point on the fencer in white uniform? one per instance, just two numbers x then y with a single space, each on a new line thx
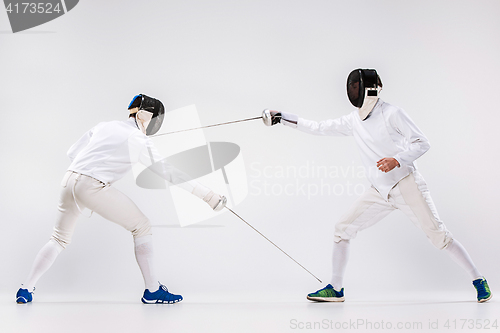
389 142
99 158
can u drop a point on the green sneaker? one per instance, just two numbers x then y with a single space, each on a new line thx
483 290
327 294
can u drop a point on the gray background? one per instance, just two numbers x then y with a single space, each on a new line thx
437 59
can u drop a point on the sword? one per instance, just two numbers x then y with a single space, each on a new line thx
272 243
266 118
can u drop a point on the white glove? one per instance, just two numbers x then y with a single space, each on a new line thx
214 200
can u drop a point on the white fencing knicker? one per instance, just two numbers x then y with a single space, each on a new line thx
81 191
411 196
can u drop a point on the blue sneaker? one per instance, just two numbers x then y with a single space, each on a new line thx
24 296
160 296
483 290
327 294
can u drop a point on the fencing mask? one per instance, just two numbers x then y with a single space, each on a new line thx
150 115
363 88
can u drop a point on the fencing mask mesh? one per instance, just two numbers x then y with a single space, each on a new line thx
152 105
358 81
363 87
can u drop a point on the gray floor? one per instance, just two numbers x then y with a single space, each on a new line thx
396 313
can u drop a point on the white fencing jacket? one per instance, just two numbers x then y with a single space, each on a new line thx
387 132
110 149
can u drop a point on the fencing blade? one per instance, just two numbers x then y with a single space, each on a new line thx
192 129
272 243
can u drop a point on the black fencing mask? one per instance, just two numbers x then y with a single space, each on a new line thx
363 87
150 115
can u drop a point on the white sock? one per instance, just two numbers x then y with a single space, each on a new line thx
339 262
458 253
44 259
144 256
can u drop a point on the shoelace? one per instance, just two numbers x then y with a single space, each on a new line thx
163 287
324 289
481 288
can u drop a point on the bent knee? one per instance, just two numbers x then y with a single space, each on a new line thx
61 241
338 238
441 242
142 228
